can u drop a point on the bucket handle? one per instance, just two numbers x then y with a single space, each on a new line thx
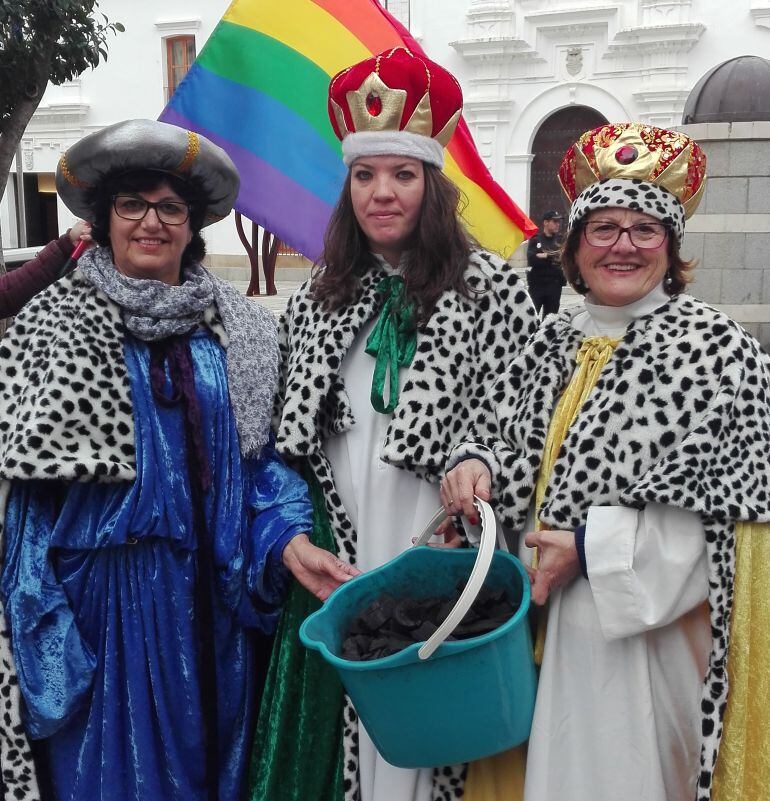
478 574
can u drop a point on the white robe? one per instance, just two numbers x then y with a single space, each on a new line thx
388 507
618 704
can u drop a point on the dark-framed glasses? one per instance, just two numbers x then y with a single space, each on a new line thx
643 235
133 207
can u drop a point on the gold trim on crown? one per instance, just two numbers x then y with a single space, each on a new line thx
193 149
421 121
69 177
339 115
642 167
445 134
636 151
393 102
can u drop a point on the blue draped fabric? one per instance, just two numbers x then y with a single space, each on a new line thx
99 584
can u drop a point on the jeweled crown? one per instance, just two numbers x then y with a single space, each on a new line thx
670 159
396 91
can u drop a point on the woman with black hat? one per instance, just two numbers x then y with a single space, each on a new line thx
632 434
145 509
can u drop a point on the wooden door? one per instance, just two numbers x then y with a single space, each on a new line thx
557 133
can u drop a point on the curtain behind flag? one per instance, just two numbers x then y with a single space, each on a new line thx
259 90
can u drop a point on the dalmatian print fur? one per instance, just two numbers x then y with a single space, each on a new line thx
680 416
461 349
64 389
18 777
66 414
630 193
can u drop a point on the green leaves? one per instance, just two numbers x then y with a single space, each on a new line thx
47 40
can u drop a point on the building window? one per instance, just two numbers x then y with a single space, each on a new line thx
180 54
399 9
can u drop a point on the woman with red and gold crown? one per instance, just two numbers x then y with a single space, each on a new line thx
386 351
630 439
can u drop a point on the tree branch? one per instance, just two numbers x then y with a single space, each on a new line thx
18 120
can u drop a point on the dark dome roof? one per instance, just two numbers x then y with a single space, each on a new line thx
736 91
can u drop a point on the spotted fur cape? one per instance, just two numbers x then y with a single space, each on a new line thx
461 350
66 414
680 416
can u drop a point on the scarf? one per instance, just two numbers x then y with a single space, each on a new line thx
393 342
153 310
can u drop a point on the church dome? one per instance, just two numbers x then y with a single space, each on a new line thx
737 90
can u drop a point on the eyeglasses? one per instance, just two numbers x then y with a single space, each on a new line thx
131 207
642 235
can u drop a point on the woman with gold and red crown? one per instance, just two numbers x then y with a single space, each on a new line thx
386 351
630 439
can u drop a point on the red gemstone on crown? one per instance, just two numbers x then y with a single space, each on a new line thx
373 104
626 154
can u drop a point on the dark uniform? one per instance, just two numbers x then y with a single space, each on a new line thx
544 277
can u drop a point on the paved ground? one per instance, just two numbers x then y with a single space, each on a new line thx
277 303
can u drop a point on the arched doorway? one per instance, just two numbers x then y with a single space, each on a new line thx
552 140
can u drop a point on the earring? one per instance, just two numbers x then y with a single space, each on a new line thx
668 280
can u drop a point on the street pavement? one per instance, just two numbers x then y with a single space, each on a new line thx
277 303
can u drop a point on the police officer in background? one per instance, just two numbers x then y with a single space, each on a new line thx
544 277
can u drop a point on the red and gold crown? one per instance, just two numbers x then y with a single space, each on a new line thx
395 98
632 150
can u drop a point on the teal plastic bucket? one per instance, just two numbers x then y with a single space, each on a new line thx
467 700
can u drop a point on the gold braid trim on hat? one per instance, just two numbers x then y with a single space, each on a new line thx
193 149
413 55
69 177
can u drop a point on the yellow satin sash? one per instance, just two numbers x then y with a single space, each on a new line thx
592 357
743 765
501 777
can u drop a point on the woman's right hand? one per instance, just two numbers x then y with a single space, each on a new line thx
317 570
469 478
81 230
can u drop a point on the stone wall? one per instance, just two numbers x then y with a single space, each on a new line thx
729 235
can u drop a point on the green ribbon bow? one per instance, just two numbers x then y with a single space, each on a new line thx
393 342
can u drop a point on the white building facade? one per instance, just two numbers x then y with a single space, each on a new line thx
535 73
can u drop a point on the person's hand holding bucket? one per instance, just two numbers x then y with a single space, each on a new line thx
468 480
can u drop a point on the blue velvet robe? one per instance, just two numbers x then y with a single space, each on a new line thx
99 583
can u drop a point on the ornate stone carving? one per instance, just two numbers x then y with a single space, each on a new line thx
28 154
574 61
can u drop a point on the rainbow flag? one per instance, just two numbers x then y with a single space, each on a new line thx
259 89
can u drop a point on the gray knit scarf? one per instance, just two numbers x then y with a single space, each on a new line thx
154 310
